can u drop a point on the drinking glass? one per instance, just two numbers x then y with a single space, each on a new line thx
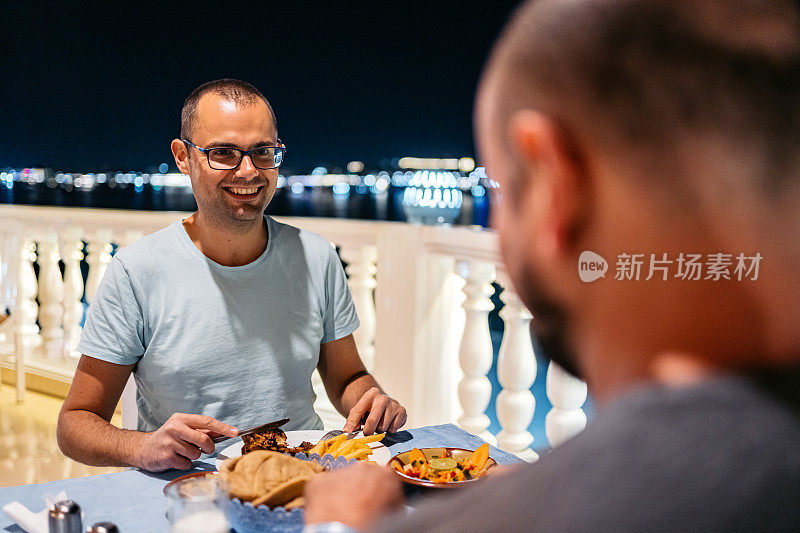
199 505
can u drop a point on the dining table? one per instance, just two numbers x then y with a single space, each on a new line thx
134 499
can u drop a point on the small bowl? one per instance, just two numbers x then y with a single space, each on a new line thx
457 453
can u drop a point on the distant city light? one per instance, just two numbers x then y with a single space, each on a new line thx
341 189
382 184
175 179
423 163
429 195
355 166
163 168
479 172
84 181
466 164
478 191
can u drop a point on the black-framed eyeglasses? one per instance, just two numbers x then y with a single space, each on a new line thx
225 158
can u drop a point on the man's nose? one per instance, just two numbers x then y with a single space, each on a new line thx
246 167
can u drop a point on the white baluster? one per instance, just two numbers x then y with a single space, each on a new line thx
26 309
72 248
516 370
361 269
51 296
475 354
98 255
567 394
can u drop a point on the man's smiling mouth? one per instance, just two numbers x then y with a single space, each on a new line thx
243 193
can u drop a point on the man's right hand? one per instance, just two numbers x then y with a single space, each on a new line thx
181 440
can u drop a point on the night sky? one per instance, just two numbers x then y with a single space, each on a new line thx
92 86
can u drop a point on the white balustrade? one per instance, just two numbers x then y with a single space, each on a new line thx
417 300
361 269
567 394
72 249
422 294
98 256
26 308
516 371
475 356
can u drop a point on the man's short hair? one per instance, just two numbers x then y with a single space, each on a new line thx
237 91
653 79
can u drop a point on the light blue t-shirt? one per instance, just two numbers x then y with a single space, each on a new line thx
235 343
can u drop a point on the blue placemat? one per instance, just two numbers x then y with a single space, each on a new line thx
135 502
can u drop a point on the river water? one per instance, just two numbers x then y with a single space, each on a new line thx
360 202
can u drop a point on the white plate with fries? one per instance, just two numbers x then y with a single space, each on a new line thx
336 446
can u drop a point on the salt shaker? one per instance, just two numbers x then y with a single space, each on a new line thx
103 527
64 517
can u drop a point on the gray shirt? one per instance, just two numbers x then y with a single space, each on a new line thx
720 456
236 343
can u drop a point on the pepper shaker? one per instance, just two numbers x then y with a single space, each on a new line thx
64 517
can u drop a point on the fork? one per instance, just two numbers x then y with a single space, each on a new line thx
336 432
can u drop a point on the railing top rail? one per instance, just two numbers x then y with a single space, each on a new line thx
464 243
91 218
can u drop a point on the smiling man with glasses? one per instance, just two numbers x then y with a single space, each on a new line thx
221 317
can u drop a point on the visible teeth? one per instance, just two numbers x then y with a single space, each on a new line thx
244 191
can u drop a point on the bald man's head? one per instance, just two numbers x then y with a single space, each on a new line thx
647 126
234 90
661 83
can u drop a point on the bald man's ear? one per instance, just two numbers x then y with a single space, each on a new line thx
554 188
181 155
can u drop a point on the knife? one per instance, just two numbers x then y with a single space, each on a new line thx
263 427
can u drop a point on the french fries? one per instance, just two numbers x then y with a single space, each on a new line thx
339 446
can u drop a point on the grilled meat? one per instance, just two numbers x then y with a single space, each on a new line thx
272 440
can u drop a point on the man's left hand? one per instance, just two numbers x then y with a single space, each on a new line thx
382 413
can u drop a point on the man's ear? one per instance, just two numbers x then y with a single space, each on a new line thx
181 155
554 188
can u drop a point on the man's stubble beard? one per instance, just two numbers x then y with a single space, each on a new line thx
223 216
550 326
